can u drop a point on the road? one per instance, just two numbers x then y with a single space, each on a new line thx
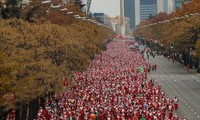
176 81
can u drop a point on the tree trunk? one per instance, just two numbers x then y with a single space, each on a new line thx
21 111
27 114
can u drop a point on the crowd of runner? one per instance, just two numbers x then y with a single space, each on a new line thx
114 87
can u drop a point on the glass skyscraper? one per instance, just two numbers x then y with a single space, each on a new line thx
139 10
147 8
178 4
129 11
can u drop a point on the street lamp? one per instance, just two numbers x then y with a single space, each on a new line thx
76 16
69 13
63 9
46 1
56 6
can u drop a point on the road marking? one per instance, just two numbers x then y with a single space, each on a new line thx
180 77
170 85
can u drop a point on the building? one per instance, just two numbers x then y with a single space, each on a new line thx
170 6
160 6
139 10
147 8
127 26
129 11
178 4
102 18
116 26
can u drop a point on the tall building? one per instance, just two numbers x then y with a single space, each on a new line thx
165 6
129 11
170 6
115 24
147 8
178 4
139 10
100 17
160 6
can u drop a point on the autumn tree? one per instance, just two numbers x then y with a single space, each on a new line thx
181 32
42 53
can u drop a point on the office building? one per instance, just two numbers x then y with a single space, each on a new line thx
147 8
129 11
139 10
178 3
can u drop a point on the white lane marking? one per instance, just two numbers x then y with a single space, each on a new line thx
175 80
180 77
176 93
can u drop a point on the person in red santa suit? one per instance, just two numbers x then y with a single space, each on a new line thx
11 115
176 103
118 117
175 117
101 115
170 111
159 115
109 116
135 114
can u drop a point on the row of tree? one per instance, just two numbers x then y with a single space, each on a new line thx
182 33
38 50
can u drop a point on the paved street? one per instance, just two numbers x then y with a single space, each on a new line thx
176 81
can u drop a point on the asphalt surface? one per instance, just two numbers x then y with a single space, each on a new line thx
176 81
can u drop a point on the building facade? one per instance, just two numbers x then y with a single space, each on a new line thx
115 25
147 8
178 4
139 10
129 11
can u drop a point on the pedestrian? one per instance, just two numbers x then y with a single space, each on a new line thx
176 103
155 67
188 68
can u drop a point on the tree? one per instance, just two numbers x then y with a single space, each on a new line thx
43 52
6 82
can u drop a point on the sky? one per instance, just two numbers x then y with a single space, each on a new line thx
109 7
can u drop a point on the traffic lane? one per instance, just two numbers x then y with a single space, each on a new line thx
182 90
170 93
189 78
184 107
194 84
189 96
